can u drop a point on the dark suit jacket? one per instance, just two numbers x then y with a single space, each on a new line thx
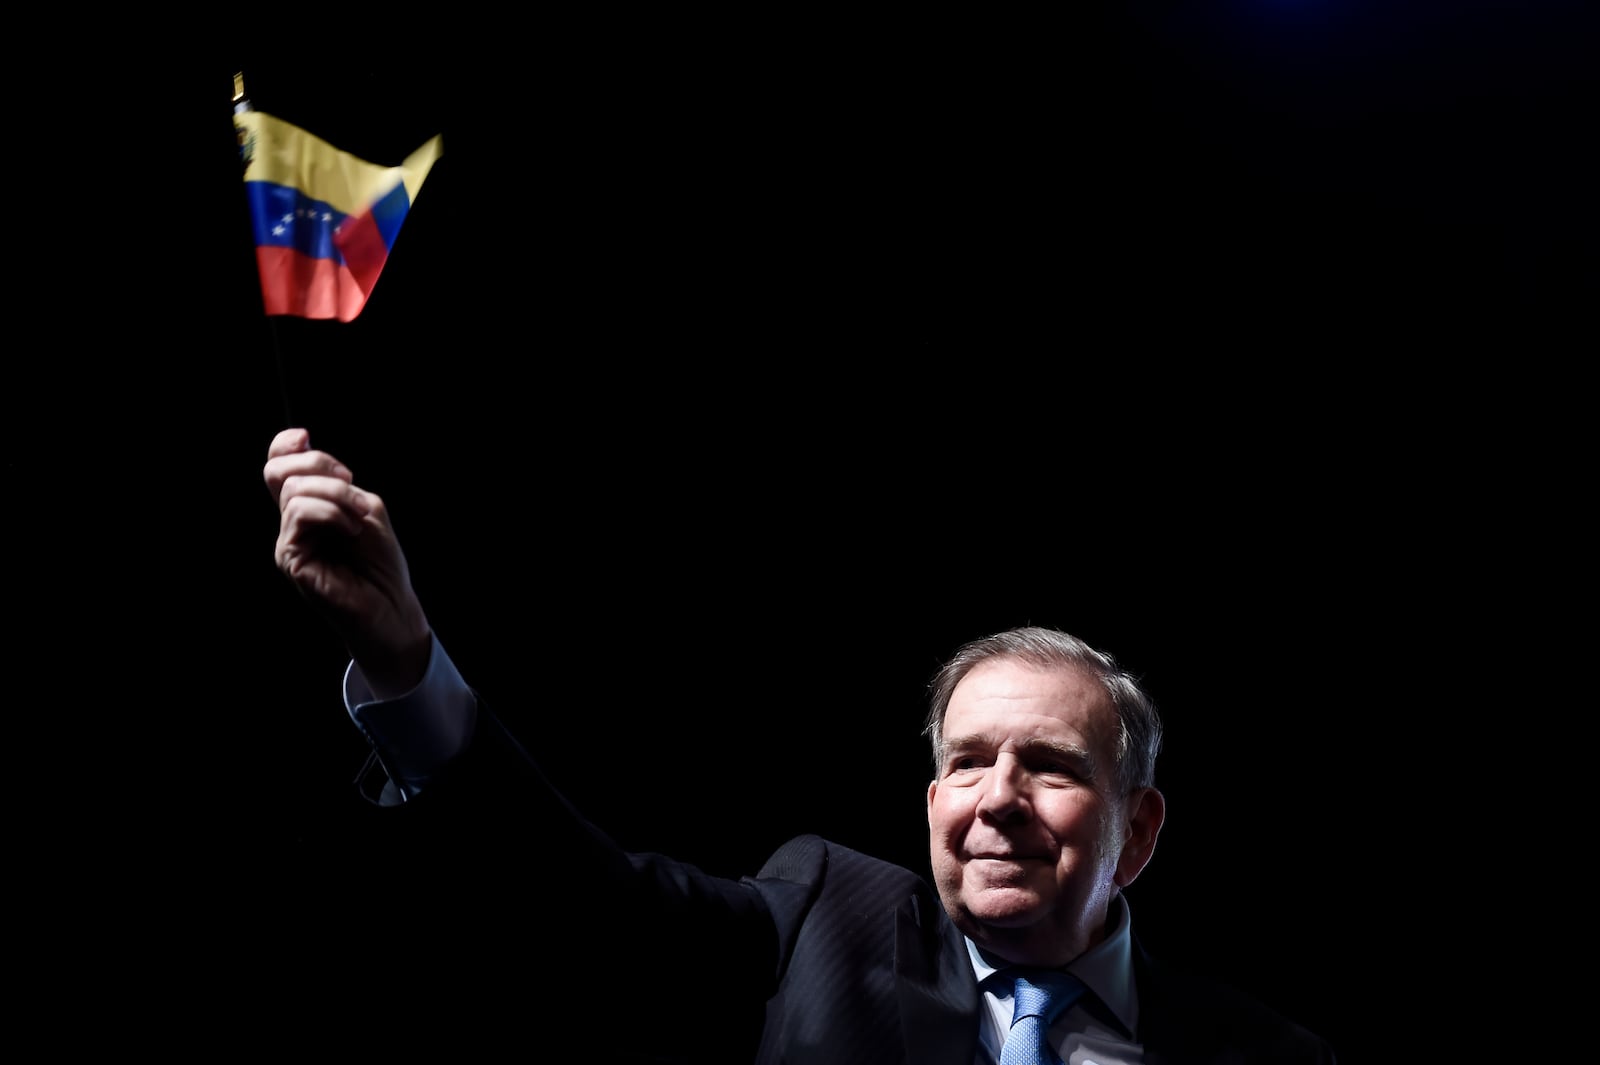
826 957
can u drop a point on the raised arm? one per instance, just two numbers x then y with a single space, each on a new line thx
335 542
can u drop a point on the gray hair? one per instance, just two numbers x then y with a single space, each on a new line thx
1140 730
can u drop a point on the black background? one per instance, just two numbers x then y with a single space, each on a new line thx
724 378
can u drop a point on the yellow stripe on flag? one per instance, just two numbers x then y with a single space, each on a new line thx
285 154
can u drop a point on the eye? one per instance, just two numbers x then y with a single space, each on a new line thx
1056 767
965 763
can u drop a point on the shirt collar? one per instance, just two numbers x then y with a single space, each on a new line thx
1106 968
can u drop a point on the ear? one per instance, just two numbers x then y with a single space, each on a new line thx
1146 810
933 786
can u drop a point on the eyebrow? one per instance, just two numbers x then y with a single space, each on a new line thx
1078 755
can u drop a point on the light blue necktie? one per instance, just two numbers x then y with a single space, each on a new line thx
1040 997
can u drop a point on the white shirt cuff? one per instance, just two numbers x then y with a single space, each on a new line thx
415 734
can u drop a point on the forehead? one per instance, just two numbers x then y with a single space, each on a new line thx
1008 691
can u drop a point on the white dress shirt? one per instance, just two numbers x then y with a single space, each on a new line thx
1099 1028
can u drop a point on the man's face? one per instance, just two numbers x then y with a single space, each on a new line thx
1029 834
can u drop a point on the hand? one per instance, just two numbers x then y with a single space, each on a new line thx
336 544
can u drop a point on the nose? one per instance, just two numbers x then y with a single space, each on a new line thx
1005 795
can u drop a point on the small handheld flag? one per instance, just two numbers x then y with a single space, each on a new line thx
324 220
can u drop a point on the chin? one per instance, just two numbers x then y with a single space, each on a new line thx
1008 907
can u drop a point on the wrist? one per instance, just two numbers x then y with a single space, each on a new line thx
395 669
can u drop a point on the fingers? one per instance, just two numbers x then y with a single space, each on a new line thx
326 521
316 497
313 501
336 545
290 455
313 529
289 441
297 541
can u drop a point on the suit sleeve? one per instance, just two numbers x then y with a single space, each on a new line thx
491 860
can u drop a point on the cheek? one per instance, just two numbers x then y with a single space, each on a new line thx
1112 834
945 820
944 852
1075 822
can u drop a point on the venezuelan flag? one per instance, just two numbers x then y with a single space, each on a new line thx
324 220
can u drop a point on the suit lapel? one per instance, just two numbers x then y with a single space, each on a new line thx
937 992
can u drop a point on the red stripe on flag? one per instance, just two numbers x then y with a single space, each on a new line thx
365 251
297 284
